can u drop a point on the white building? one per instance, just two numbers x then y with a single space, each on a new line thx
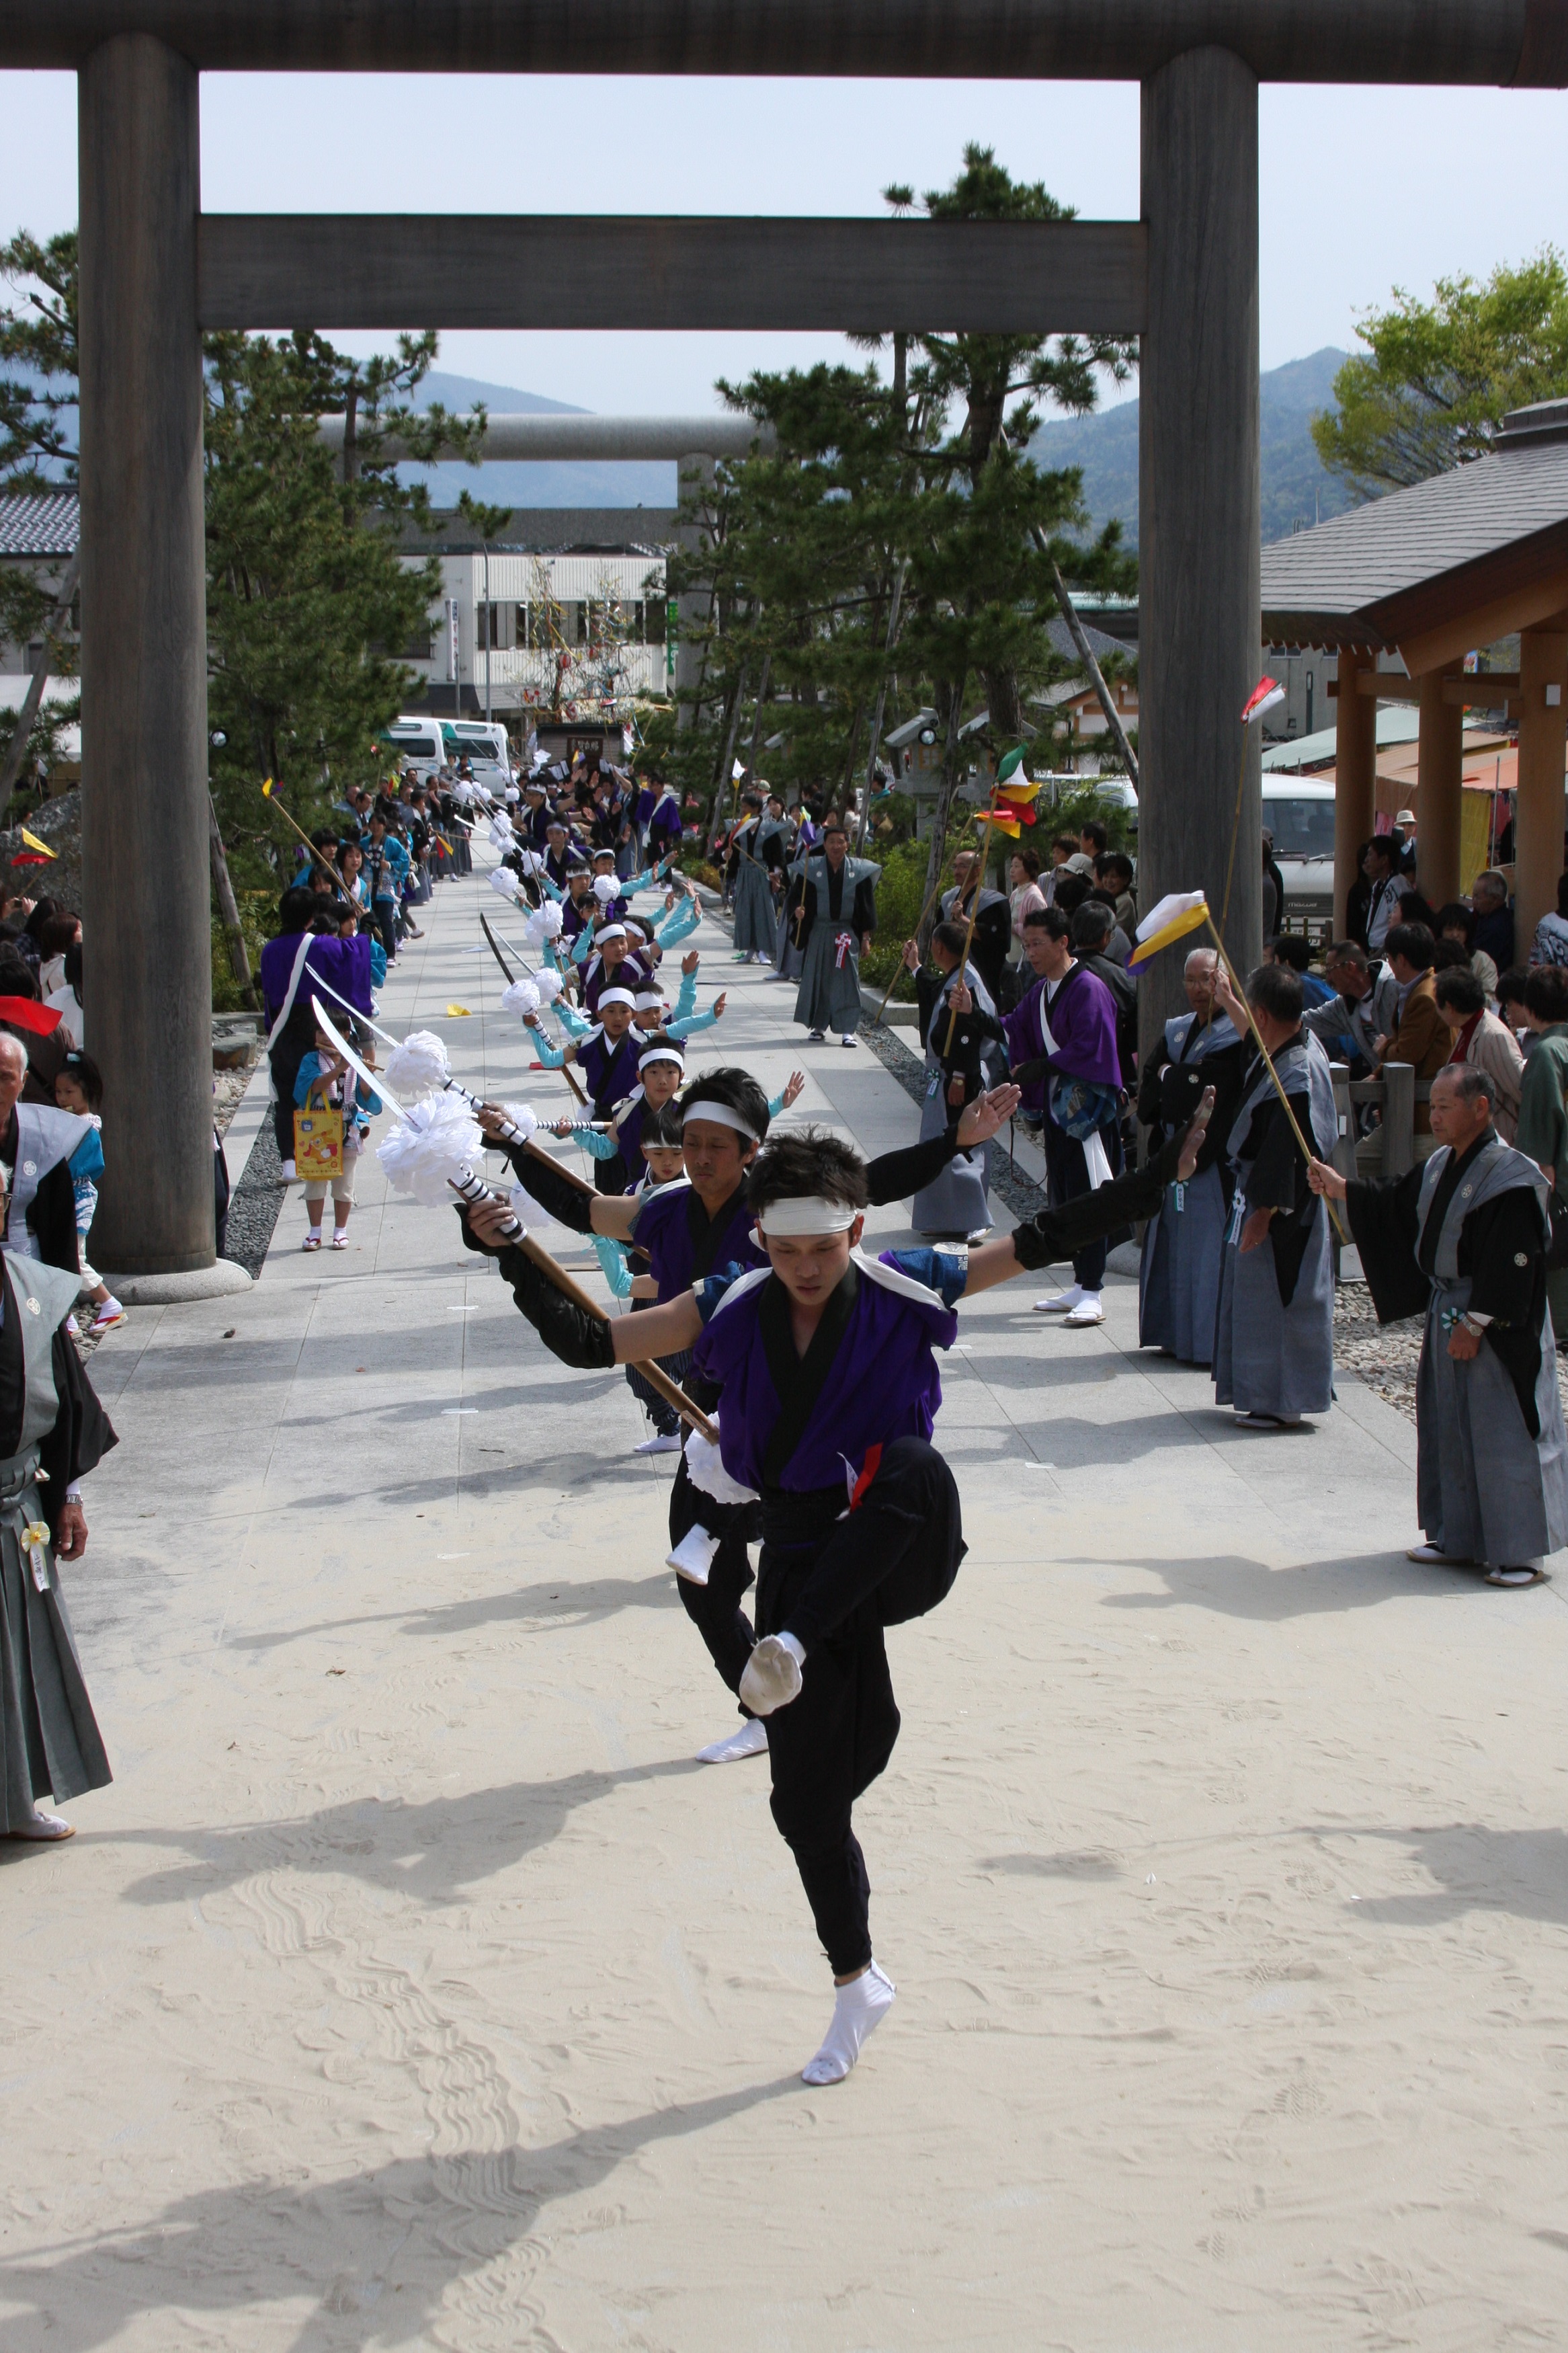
584 628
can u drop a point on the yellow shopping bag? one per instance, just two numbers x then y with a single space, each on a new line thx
318 1139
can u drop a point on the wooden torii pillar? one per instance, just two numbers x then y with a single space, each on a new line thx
147 942
1199 508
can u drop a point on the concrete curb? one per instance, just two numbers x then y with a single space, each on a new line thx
218 1281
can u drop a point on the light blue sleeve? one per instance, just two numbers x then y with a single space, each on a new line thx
310 1071
553 889
686 997
597 1146
690 1024
678 924
571 1020
548 959
775 1107
552 1057
583 947
613 1265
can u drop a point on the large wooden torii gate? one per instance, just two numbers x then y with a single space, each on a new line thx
155 271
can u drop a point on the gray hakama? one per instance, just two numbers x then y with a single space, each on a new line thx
1274 1356
49 1740
754 928
1487 1490
957 1203
829 998
1184 1246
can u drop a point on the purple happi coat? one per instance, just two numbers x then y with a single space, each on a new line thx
882 1384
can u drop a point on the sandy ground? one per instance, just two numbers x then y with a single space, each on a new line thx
412 1986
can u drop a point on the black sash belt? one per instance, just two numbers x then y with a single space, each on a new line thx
793 1516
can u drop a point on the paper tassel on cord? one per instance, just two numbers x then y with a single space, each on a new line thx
1171 919
419 1067
503 880
606 888
432 1147
1264 696
708 1472
522 997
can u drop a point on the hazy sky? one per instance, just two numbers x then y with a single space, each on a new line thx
1362 189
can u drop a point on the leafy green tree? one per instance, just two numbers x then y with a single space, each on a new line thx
1437 377
37 395
309 608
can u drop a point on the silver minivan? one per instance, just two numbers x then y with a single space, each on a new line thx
1299 814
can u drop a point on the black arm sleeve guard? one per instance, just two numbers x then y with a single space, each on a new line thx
895 1176
567 1330
554 1191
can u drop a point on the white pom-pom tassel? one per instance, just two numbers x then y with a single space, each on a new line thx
544 923
503 880
705 1469
419 1067
521 997
524 1121
549 986
606 888
433 1145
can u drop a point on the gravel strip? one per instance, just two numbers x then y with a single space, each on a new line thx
256 1204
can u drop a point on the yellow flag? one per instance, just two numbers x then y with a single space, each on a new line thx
458 1012
34 843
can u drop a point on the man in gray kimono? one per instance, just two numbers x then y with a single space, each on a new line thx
755 935
52 1432
1184 1245
1464 1237
1274 1331
837 914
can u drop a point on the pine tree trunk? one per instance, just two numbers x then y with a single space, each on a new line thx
228 909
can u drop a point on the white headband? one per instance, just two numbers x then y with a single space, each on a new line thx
609 932
616 997
721 1114
662 1054
806 1214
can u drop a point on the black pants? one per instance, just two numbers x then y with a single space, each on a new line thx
384 914
1068 1172
894 1557
284 1061
714 1608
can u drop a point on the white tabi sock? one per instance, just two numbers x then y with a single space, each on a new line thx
1062 1304
857 2008
749 1740
771 1675
692 1558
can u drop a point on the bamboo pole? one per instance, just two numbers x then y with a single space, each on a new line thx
982 852
1307 1152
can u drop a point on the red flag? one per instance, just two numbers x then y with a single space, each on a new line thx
21 1013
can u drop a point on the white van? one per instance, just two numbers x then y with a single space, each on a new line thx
1299 814
418 744
483 743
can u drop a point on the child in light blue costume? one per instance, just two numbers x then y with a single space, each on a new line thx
78 1088
326 1071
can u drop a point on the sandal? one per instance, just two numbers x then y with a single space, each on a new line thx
1515 1579
311 1241
44 1828
340 1241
